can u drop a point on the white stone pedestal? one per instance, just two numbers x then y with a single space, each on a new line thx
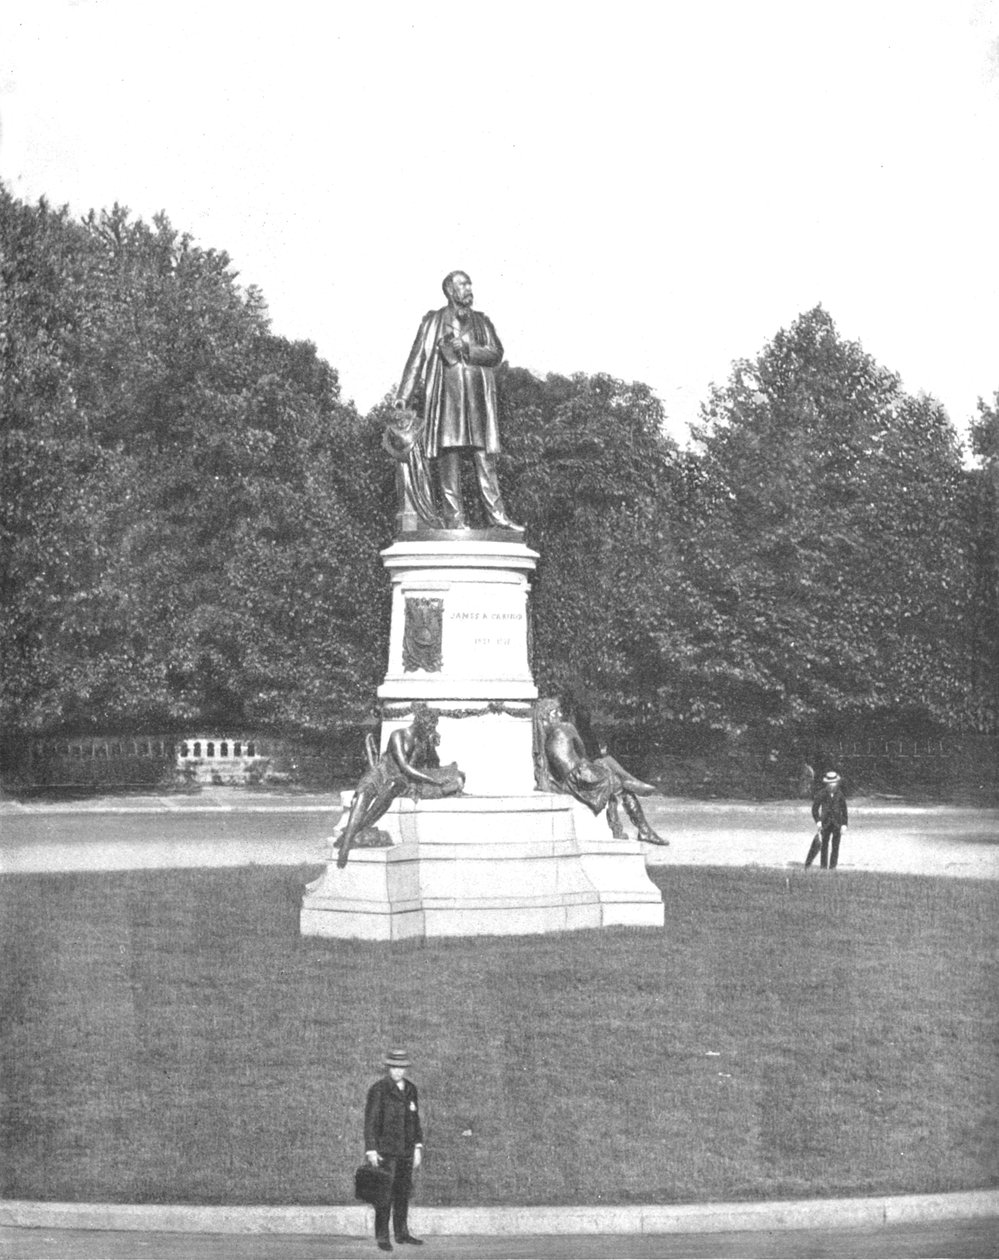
514 865
465 604
503 858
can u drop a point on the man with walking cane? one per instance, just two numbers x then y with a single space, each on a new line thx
829 811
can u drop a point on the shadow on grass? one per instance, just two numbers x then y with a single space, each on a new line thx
170 1037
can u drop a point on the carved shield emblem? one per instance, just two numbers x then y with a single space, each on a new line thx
421 635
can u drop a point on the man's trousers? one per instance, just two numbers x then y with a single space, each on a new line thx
396 1198
830 832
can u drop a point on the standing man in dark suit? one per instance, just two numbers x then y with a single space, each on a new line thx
829 810
393 1138
452 367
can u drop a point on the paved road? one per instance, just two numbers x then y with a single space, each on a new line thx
943 1238
226 827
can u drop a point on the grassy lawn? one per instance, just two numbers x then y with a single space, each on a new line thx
169 1037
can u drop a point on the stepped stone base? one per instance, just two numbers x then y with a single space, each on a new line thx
486 865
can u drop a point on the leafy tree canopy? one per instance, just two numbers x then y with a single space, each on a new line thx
825 574
185 527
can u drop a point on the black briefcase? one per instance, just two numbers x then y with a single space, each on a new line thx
372 1185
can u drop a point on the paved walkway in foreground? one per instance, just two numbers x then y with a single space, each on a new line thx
975 1238
231 827
507 1232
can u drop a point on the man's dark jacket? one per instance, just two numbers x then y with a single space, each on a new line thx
392 1118
829 809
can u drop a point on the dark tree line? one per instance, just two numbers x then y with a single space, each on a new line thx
188 525
191 519
820 555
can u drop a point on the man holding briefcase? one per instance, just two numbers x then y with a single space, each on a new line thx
393 1140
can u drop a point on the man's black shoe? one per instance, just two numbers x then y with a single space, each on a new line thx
408 1238
384 1244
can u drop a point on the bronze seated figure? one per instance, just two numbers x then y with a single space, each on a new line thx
561 765
408 766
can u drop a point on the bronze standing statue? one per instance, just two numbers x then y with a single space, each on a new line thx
450 377
561 765
410 765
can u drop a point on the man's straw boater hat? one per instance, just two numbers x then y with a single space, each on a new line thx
831 777
397 1058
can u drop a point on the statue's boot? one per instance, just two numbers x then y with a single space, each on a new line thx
637 816
499 519
502 521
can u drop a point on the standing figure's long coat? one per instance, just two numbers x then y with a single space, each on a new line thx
460 405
